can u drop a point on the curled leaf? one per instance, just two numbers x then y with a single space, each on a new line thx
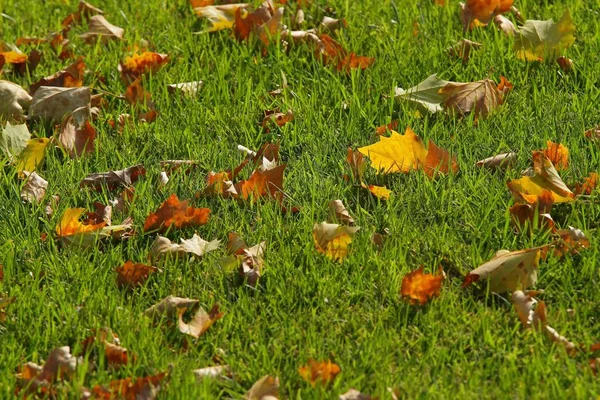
266 388
114 179
499 162
196 246
100 28
333 239
200 322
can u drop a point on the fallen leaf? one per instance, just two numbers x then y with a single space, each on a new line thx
538 210
425 97
397 153
186 88
264 22
247 260
266 388
353 394
462 49
333 239
145 388
480 12
136 65
332 24
72 231
538 40
557 154
383 129
175 213
480 97
169 307
319 372
100 28
200 322
13 99
571 241
592 134
116 355
13 140
331 52
114 179
53 103
34 189
71 76
76 138
421 287
196 246
135 94
280 119
545 178
566 64
59 364
357 164
262 184
438 161
505 25
218 371
499 162
131 275
381 192
588 186
220 17
339 213
32 155
84 11
508 270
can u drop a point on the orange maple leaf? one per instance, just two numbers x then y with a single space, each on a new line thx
128 389
130 274
323 372
139 64
480 12
421 287
589 184
558 154
70 224
177 214
262 184
381 130
333 53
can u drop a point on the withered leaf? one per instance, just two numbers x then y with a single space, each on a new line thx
425 97
218 371
100 28
71 76
76 138
178 214
34 189
539 40
319 372
196 246
480 97
53 103
462 49
339 213
333 239
266 388
201 321
13 99
169 307
420 287
131 275
114 179
499 162
186 88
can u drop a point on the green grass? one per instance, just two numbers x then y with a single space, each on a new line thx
464 344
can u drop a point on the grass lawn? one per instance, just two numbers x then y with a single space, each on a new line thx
466 343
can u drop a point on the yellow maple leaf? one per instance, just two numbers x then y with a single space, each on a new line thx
333 239
397 153
545 178
381 192
538 40
32 155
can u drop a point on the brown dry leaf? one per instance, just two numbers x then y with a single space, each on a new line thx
135 94
101 335
480 97
332 24
116 355
353 394
338 213
131 275
421 287
276 117
545 178
383 129
526 214
100 28
537 318
59 364
480 12
34 189
133 67
505 25
566 64
186 88
508 270
319 372
264 22
588 186
145 388
266 388
114 179
333 239
71 76
218 371
499 162
572 240
76 138
425 97
196 246
331 52
53 103
169 307
200 322
357 164
248 260
592 133
13 99
84 11
462 49
438 161
558 154
178 214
